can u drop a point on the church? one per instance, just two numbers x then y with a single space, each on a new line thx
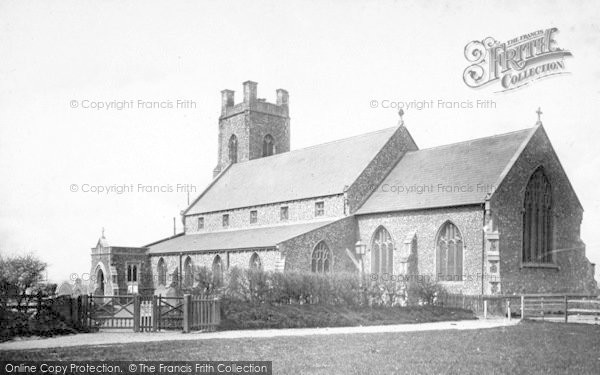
494 215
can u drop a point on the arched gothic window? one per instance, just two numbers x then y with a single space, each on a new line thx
382 252
100 283
321 258
188 276
233 149
268 145
537 219
217 269
255 263
162 272
449 253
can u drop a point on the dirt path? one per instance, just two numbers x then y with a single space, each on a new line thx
122 337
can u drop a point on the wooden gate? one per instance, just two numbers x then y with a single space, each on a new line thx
153 313
169 313
111 312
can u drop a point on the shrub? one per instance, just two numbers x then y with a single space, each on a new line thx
340 289
426 291
246 315
43 322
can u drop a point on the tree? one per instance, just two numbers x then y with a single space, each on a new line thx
19 276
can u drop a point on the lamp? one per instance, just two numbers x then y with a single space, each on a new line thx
360 248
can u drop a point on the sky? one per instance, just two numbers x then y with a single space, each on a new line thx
342 62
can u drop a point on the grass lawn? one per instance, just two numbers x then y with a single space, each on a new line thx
527 348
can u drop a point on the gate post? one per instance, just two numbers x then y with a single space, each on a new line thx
84 310
217 319
136 313
566 308
187 312
155 315
73 305
522 307
485 309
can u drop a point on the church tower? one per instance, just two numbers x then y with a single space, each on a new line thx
253 128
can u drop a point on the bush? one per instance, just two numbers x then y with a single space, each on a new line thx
340 289
246 315
41 323
426 291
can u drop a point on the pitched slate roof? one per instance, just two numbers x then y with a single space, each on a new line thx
261 237
305 173
451 175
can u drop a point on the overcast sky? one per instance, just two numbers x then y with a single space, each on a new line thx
334 58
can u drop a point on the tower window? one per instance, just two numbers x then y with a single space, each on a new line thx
268 145
319 208
284 213
253 217
537 219
225 220
233 149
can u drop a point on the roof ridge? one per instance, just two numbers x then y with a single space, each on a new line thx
475 139
317 145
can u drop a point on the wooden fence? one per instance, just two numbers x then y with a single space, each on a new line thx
529 306
561 306
481 304
71 310
134 312
200 313
156 313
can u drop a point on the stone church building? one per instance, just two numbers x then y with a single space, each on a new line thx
494 215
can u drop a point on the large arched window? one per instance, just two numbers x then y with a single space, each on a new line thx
217 269
233 149
161 270
321 258
537 219
449 253
255 263
188 276
268 145
100 283
382 252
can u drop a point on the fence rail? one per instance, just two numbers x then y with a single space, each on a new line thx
529 306
481 304
135 312
583 307
204 314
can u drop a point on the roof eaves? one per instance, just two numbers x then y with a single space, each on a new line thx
165 239
325 224
210 185
425 208
210 250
